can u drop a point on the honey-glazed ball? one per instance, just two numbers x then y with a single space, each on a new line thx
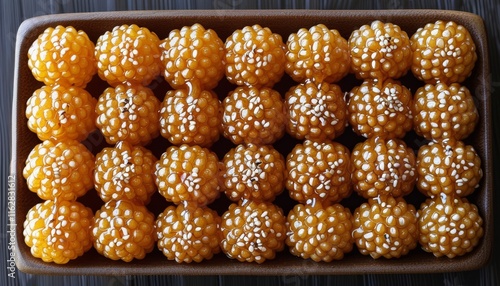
443 52
318 54
380 51
444 111
255 56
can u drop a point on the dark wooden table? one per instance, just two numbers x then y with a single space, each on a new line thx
13 12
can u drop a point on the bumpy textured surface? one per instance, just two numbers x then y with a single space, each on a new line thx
123 230
255 56
128 113
444 111
380 51
253 231
59 170
253 115
443 52
449 226
253 172
188 233
193 55
58 231
128 54
315 111
192 118
62 55
61 112
383 168
450 167
188 173
386 228
125 172
319 170
319 233
380 109
318 54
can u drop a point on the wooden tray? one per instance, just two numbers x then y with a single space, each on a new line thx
224 23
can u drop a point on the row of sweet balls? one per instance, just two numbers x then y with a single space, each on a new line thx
253 115
438 52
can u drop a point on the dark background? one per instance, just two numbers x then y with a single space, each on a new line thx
13 12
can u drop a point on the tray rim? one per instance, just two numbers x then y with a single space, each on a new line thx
387 267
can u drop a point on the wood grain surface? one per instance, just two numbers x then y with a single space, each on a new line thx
13 12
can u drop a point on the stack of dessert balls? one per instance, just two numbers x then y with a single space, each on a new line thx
318 172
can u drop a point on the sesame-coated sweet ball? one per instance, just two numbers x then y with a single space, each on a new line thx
380 109
188 173
443 52
253 231
62 55
192 54
59 170
444 111
123 230
58 231
380 51
319 233
255 56
125 172
448 167
318 54
188 233
385 228
253 172
315 111
253 115
319 171
449 226
61 112
383 167
128 113
128 54
191 117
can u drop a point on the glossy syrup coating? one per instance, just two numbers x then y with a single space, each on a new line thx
380 51
321 233
319 171
380 109
125 172
448 167
188 173
318 54
128 113
443 52
62 55
128 54
59 170
253 172
315 111
449 226
253 115
194 55
444 111
191 116
385 228
255 56
187 233
383 167
61 112
253 231
123 230
58 231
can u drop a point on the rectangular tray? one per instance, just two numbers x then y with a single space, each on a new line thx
224 23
